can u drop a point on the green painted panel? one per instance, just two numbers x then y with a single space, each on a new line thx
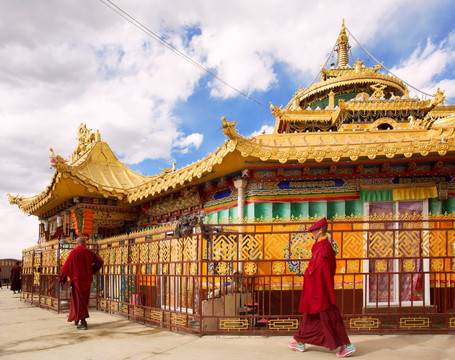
354 207
233 214
449 205
318 208
213 217
263 210
376 195
301 208
336 208
223 216
248 211
325 102
282 210
435 206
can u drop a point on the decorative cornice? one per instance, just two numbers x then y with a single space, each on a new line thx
180 177
333 146
350 80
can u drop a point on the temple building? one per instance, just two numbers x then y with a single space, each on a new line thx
353 147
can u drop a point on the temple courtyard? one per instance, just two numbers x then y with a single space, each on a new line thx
28 332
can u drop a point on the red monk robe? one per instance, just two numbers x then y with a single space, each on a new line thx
80 266
321 323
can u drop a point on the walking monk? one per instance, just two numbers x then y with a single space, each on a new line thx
80 266
16 277
321 323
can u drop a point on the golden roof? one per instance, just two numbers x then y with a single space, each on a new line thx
415 140
93 170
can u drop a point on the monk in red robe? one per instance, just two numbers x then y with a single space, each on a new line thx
16 277
321 323
80 266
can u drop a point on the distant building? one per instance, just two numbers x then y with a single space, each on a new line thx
6 265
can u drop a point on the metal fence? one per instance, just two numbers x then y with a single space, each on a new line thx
392 275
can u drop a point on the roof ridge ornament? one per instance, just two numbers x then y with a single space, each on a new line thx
14 200
229 128
342 47
58 162
86 138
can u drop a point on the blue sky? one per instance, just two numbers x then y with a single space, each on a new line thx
65 63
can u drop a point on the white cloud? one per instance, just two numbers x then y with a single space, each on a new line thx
425 66
265 129
65 63
17 231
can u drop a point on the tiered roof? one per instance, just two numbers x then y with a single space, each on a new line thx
361 104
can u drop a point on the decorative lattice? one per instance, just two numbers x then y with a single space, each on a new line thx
300 248
364 323
278 267
409 265
225 247
353 266
118 255
353 244
165 251
135 255
418 322
380 265
124 258
250 268
156 315
178 268
153 252
303 266
138 311
451 322
145 253
283 324
112 254
190 248
193 268
234 324
437 265
251 247
276 246
223 268
381 244
408 243
177 319
36 278
437 243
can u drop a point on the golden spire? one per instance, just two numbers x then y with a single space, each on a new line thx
342 48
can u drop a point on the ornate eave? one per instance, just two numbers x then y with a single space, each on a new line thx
332 73
171 180
349 80
443 111
350 146
93 170
308 116
388 104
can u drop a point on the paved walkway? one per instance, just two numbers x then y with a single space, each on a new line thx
28 332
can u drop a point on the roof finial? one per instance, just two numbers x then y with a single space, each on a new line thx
342 48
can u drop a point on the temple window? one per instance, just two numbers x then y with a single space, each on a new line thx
395 263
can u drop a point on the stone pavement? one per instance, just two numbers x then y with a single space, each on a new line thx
29 332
